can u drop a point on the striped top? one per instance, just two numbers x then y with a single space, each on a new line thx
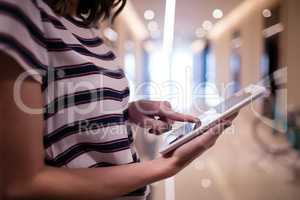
85 90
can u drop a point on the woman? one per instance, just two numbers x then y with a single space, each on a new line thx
65 113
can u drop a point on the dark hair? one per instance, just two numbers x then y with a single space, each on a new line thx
90 11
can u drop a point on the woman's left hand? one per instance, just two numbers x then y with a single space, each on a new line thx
157 116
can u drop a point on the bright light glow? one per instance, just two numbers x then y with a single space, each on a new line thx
207 25
157 71
170 10
110 34
159 60
181 74
152 26
168 36
200 32
149 14
212 97
267 13
129 62
217 14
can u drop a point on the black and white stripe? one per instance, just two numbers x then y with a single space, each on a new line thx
74 128
90 42
78 149
84 97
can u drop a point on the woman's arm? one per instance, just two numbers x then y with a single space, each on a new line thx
25 176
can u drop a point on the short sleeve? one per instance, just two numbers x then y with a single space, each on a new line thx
22 36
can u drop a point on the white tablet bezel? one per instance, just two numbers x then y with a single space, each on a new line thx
256 92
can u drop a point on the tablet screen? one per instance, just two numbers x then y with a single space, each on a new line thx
180 132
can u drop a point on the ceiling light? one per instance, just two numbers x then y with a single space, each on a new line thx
273 30
152 26
217 14
149 14
200 32
207 25
267 13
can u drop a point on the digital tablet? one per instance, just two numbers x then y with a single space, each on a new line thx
234 103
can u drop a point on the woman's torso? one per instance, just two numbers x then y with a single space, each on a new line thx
86 95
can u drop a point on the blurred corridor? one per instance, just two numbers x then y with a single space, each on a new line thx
194 53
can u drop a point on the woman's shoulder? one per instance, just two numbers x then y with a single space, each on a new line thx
22 34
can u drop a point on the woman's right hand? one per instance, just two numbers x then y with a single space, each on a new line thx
184 155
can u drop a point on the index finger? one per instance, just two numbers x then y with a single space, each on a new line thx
176 116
